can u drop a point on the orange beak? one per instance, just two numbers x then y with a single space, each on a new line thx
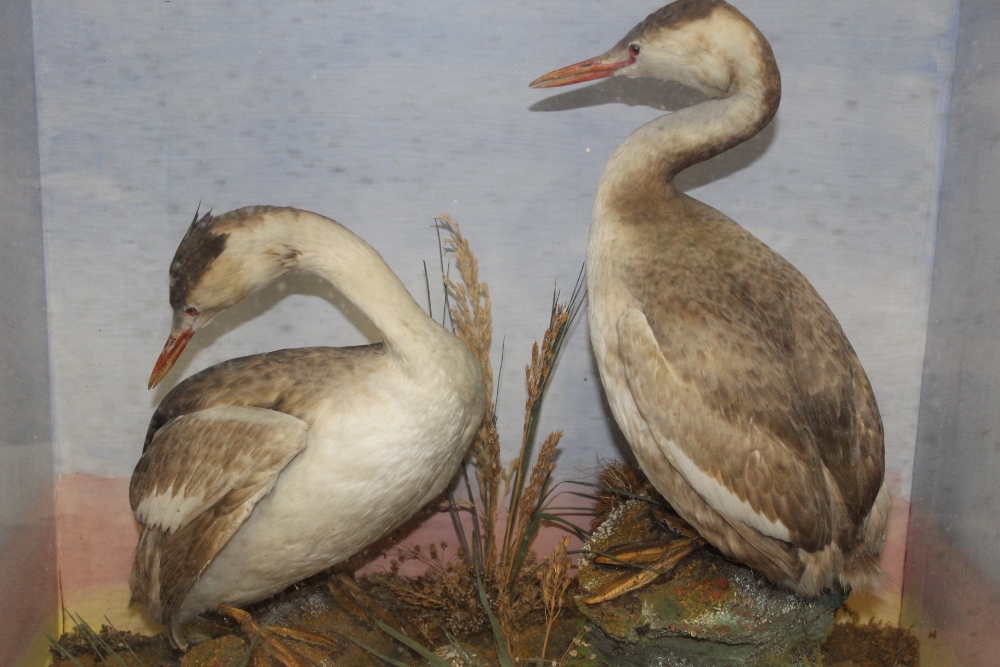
171 351
588 70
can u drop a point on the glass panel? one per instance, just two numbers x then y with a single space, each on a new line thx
952 583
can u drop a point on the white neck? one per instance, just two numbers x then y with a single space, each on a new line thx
330 250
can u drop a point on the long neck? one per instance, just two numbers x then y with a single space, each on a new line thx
328 249
655 153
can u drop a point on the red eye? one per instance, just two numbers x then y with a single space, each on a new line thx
191 310
634 49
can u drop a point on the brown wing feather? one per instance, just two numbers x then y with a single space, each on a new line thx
749 338
289 381
197 482
771 474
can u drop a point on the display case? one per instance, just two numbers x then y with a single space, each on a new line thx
879 179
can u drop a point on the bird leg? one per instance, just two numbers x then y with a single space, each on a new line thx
649 561
674 522
270 639
356 600
652 561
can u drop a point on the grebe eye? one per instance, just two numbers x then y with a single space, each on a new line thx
191 310
634 49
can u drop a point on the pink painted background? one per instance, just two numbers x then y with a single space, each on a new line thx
97 536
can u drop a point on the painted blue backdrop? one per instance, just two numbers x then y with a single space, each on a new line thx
383 114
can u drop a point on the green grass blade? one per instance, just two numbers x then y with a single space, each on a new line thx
101 647
446 309
456 523
621 492
121 638
427 283
466 657
431 657
522 549
106 647
570 510
62 649
479 543
496 392
555 518
503 655
253 643
381 656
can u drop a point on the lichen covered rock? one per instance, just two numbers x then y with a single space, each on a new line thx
710 612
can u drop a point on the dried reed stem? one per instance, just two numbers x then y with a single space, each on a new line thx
472 315
555 580
525 483
536 375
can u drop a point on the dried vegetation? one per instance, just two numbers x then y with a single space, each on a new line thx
495 581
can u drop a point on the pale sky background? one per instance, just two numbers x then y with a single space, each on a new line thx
385 114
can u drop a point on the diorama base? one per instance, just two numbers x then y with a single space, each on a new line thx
707 612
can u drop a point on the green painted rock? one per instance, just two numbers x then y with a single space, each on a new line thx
710 612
